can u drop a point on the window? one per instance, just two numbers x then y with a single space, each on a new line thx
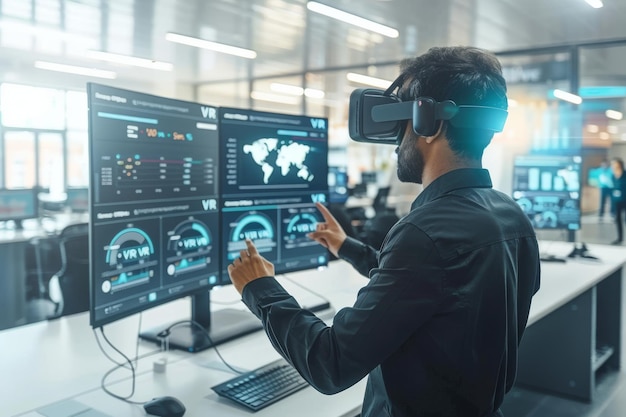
25 106
19 159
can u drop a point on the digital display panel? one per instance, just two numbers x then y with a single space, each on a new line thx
275 170
18 204
547 188
77 199
338 184
154 187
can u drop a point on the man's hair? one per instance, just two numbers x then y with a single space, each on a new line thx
465 75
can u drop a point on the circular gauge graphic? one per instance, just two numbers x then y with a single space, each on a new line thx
254 226
188 247
547 219
525 204
298 226
130 255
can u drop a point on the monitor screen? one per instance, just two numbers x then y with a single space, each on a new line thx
369 177
154 206
18 205
77 199
338 184
275 169
547 188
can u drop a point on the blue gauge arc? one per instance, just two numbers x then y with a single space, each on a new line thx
131 234
197 227
309 218
249 220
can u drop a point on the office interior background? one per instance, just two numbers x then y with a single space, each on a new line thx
295 60
290 57
564 61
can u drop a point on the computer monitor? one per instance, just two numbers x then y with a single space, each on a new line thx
154 210
369 177
548 188
77 199
17 205
338 184
275 168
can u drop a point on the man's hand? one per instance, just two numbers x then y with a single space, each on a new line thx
248 267
328 234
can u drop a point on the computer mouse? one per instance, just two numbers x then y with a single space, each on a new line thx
165 407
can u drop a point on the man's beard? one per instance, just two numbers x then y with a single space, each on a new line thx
410 161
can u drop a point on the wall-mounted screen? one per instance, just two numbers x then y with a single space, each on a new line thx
548 188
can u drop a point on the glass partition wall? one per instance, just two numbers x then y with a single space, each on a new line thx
564 100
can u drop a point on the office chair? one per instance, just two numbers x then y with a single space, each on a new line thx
376 228
42 260
69 287
380 201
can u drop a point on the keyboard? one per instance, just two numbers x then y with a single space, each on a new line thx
262 386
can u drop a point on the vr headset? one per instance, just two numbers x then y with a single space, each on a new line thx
378 116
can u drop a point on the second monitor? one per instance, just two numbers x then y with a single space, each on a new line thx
275 168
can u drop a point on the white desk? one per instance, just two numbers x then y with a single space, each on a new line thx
48 362
60 360
576 314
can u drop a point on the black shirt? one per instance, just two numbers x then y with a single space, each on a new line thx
438 325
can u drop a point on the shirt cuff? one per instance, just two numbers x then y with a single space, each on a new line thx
256 291
352 250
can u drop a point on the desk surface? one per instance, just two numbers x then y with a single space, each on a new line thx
41 227
562 282
59 360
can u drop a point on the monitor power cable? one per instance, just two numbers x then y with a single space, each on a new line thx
164 335
127 364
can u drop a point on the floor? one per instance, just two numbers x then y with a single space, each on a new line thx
610 400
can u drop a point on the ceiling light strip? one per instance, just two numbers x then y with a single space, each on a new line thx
72 69
352 19
212 46
367 80
569 97
596 4
130 60
614 114
294 90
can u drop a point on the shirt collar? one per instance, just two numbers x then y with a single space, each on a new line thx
454 180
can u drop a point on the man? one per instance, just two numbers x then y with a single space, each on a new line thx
438 325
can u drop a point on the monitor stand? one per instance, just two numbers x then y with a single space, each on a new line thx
547 257
222 326
580 250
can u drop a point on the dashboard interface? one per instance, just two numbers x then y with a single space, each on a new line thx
275 170
154 200
547 188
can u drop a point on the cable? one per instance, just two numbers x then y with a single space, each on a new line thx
128 364
110 371
165 334
119 365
